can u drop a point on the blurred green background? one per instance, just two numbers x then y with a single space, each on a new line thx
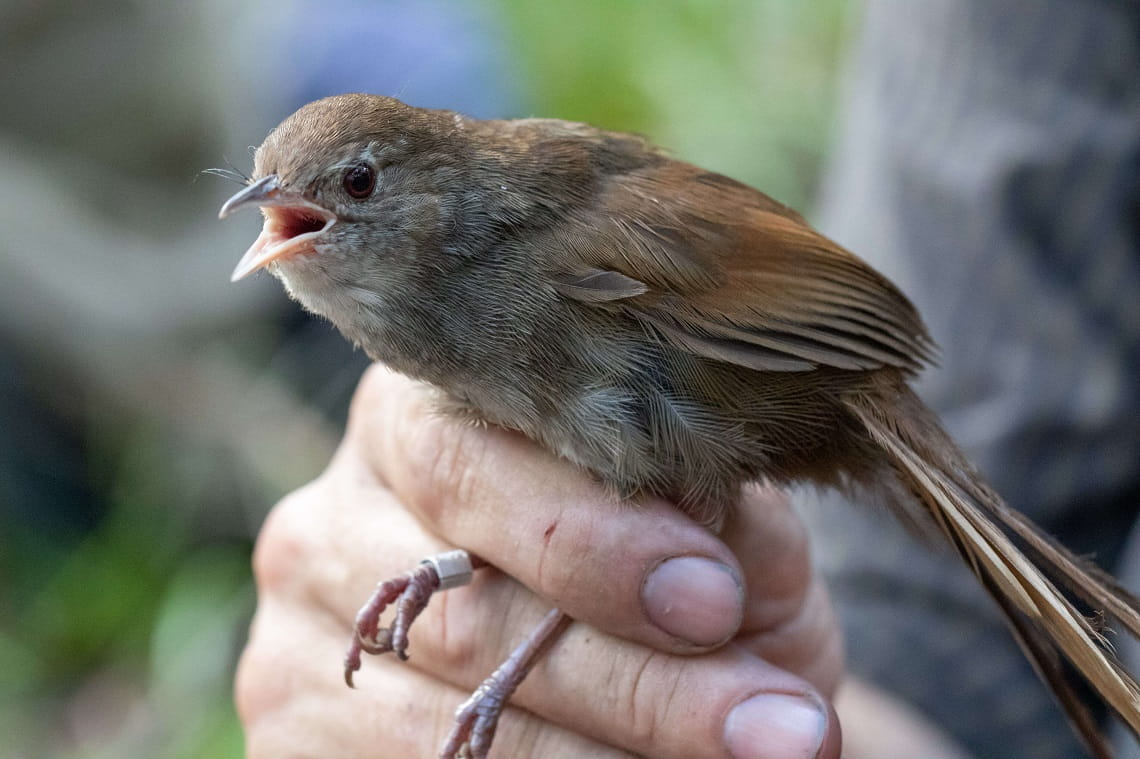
151 413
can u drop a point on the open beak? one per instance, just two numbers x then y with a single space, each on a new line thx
291 223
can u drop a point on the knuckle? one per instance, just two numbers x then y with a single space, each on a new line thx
777 561
522 734
824 664
276 740
377 396
249 688
259 743
647 697
256 693
283 542
826 671
659 710
804 641
376 387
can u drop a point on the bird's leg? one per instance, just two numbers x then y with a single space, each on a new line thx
477 718
411 592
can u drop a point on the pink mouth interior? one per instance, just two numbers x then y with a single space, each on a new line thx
289 230
286 223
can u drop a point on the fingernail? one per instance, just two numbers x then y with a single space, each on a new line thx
695 599
775 726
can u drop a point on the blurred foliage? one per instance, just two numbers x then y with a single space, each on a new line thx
743 87
119 639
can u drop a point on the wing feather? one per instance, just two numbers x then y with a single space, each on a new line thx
725 272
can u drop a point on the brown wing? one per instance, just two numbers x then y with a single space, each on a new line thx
730 274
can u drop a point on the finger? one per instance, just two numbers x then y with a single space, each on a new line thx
770 540
643 571
293 706
326 545
789 620
609 689
727 703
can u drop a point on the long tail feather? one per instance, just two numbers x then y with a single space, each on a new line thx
1046 661
1084 579
1047 625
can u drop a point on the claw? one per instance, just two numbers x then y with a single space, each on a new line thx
478 718
411 593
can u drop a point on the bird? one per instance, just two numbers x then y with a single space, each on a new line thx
672 331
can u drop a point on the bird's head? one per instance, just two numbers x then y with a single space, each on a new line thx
353 188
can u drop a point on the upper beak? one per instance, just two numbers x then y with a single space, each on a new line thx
260 193
293 226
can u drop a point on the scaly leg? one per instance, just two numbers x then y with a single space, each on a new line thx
477 718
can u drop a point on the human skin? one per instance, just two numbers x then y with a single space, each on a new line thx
624 680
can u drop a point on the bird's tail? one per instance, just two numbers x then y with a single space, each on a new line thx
1032 577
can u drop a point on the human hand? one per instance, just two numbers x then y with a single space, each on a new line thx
648 586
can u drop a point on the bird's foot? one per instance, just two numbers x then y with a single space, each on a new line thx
478 716
410 592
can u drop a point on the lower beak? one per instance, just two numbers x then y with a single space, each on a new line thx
291 223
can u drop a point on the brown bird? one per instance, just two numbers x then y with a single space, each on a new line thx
672 331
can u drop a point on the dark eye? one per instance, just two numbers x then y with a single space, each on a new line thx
359 181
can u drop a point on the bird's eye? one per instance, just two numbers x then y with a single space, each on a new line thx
359 181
